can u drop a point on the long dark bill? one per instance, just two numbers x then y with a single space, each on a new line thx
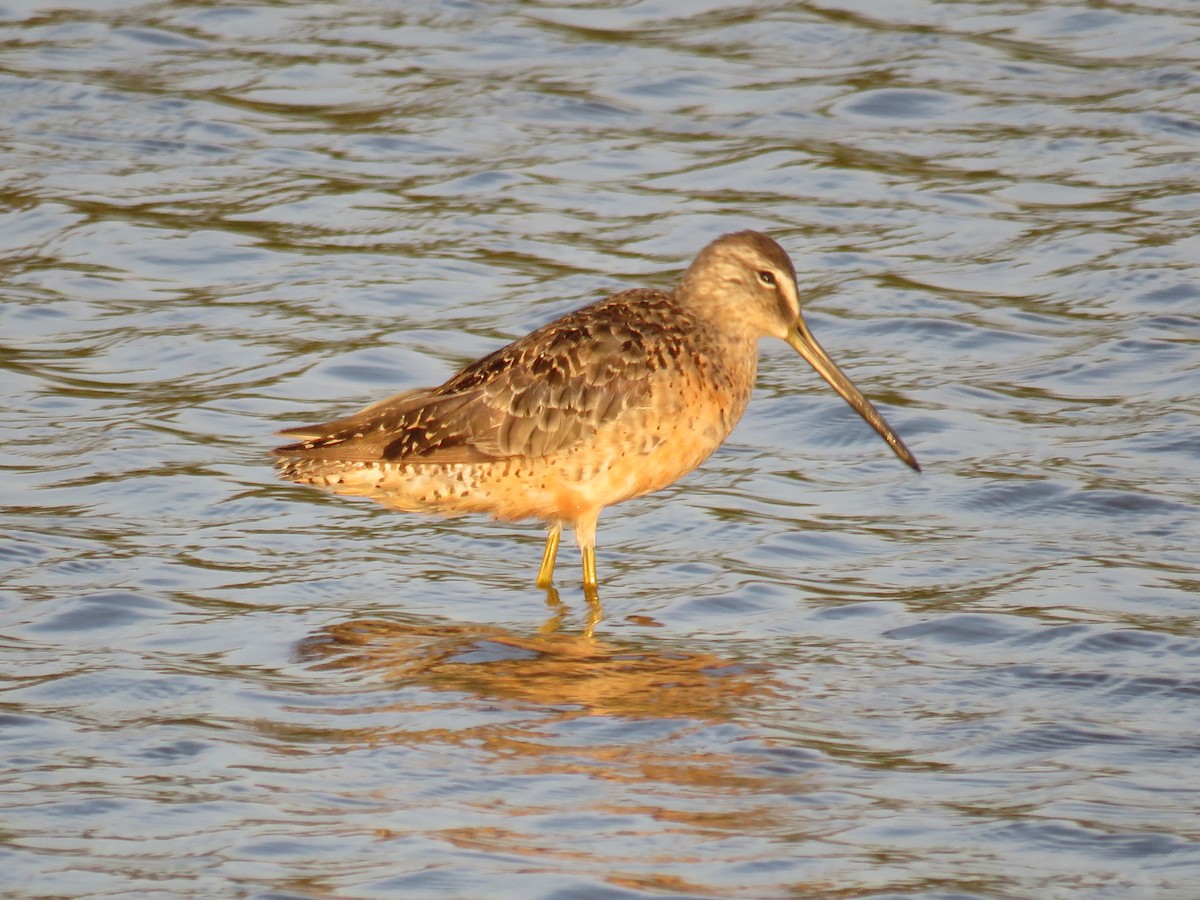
801 339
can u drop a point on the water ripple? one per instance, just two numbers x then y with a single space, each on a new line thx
219 219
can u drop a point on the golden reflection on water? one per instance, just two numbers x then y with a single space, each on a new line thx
561 677
572 673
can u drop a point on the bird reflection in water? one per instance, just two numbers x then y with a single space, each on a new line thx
550 667
651 733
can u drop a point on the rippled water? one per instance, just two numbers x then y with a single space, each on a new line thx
818 674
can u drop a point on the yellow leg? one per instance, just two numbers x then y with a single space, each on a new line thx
591 588
546 572
585 534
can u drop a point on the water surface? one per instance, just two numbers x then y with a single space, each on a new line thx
818 674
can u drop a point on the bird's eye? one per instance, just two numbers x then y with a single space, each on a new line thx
767 278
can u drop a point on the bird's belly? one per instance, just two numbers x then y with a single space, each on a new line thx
643 451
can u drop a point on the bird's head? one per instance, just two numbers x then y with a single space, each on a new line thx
746 283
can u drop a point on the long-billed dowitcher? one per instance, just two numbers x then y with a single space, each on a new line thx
609 402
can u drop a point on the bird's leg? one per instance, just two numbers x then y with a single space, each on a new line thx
591 589
546 573
585 534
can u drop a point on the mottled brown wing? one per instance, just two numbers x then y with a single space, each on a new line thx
412 419
547 391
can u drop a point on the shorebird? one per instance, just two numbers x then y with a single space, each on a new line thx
609 402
